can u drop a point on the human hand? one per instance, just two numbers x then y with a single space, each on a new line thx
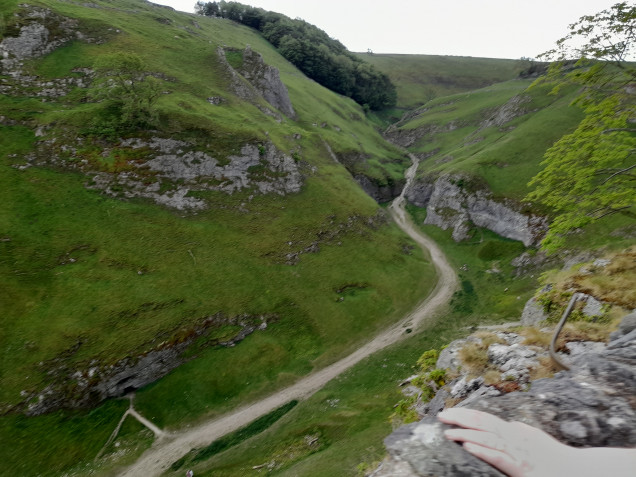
515 448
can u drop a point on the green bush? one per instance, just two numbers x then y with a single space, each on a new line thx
497 249
428 359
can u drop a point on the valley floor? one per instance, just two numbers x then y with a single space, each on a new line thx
169 449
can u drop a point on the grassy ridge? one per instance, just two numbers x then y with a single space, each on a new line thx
498 134
422 78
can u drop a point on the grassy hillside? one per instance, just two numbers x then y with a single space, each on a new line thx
421 78
89 279
339 430
497 134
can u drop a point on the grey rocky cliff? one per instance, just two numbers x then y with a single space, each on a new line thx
40 32
170 169
451 205
591 405
266 80
88 385
256 79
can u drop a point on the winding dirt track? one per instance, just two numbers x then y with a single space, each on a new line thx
168 449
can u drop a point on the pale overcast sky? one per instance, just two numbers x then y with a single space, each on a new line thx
480 28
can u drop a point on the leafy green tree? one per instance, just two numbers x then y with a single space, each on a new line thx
311 50
209 9
591 173
609 35
127 89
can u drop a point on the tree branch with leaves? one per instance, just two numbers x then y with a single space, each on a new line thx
589 174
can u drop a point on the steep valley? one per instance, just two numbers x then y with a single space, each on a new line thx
191 225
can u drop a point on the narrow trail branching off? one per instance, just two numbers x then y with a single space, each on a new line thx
159 434
167 450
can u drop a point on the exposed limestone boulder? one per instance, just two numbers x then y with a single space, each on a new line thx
449 356
514 361
97 381
38 32
451 204
260 167
533 313
266 80
421 449
591 405
255 79
41 32
465 386
592 307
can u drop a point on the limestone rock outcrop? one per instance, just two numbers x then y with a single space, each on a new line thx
37 32
266 80
255 79
41 32
452 203
533 313
380 192
167 170
97 381
591 405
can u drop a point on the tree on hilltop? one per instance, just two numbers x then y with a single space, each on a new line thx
591 173
312 51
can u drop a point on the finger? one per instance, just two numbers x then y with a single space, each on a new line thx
498 459
472 419
486 439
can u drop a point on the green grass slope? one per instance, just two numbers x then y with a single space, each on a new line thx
339 430
421 78
496 134
88 280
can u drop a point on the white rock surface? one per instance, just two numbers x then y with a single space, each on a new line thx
450 204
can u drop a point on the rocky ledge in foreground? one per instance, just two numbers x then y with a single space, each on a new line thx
591 405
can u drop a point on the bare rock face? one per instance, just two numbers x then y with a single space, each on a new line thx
40 32
256 79
591 405
382 189
266 80
98 381
533 313
177 169
167 170
450 204
421 449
